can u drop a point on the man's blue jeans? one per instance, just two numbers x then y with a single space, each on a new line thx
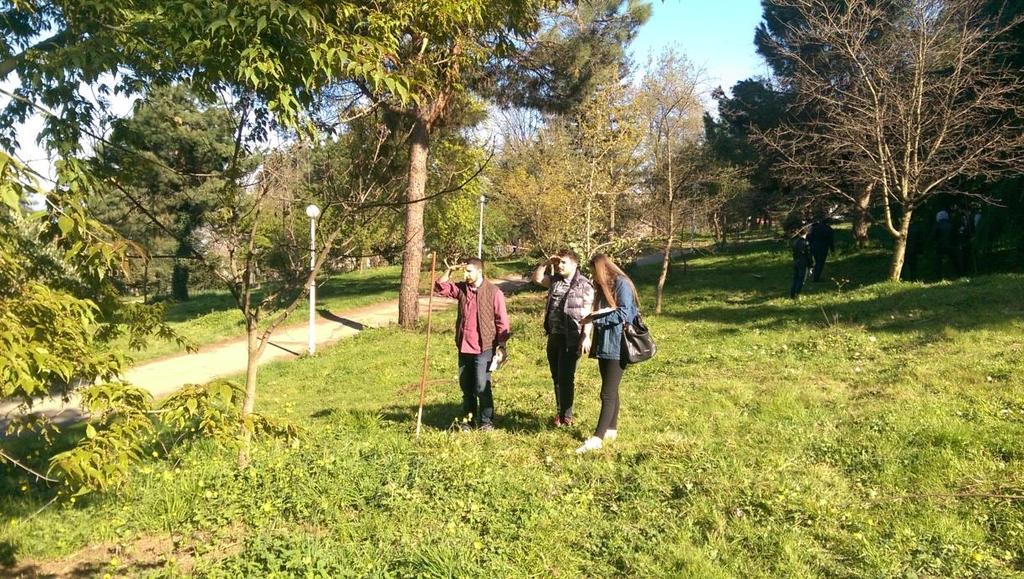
475 380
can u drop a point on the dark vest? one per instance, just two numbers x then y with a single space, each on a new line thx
484 315
572 309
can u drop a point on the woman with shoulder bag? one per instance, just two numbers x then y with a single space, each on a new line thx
616 305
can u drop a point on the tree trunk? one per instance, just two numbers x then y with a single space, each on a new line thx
179 281
249 402
900 247
862 216
666 259
412 259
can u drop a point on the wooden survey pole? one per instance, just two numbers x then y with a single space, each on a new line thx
426 347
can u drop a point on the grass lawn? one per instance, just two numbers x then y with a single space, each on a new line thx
875 430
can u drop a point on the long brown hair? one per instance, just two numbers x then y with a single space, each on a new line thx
605 275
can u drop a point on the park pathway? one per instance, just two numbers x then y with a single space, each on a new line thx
167 375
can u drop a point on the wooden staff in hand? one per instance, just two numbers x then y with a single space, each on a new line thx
426 347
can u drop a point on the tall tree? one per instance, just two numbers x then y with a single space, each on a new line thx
607 131
272 57
582 44
443 48
928 105
671 103
171 153
778 39
755 106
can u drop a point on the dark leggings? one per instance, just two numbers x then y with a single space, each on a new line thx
611 375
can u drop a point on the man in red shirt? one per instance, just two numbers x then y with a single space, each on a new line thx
480 328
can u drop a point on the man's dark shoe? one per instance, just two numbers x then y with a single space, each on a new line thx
486 427
466 427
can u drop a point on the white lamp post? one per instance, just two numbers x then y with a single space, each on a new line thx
313 212
480 237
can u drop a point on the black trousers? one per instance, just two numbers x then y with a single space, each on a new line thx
563 356
799 274
819 264
475 380
611 377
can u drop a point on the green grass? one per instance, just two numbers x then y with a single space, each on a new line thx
853 433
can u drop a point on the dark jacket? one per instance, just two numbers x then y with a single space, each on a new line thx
943 236
607 343
821 238
801 251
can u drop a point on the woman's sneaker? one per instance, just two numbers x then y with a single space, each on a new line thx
610 435
591 444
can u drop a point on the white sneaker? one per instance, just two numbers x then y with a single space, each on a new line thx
610 435
592 443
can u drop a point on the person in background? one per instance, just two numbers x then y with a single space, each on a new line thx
570 299
801 259
481 327
617 305
822 241
944 242
915 247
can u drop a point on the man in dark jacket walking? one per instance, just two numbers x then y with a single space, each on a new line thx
944 241
481 328
801 259
822 242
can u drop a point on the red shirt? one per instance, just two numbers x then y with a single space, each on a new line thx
470 331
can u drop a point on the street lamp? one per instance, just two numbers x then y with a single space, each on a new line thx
313 212
480 238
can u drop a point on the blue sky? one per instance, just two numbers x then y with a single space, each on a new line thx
717 35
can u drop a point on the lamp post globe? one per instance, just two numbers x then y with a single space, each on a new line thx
312 211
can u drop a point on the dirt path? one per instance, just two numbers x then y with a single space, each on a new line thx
166 375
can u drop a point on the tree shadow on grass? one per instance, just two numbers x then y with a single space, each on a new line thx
447 415
962 305
329 315
205 303
749 290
